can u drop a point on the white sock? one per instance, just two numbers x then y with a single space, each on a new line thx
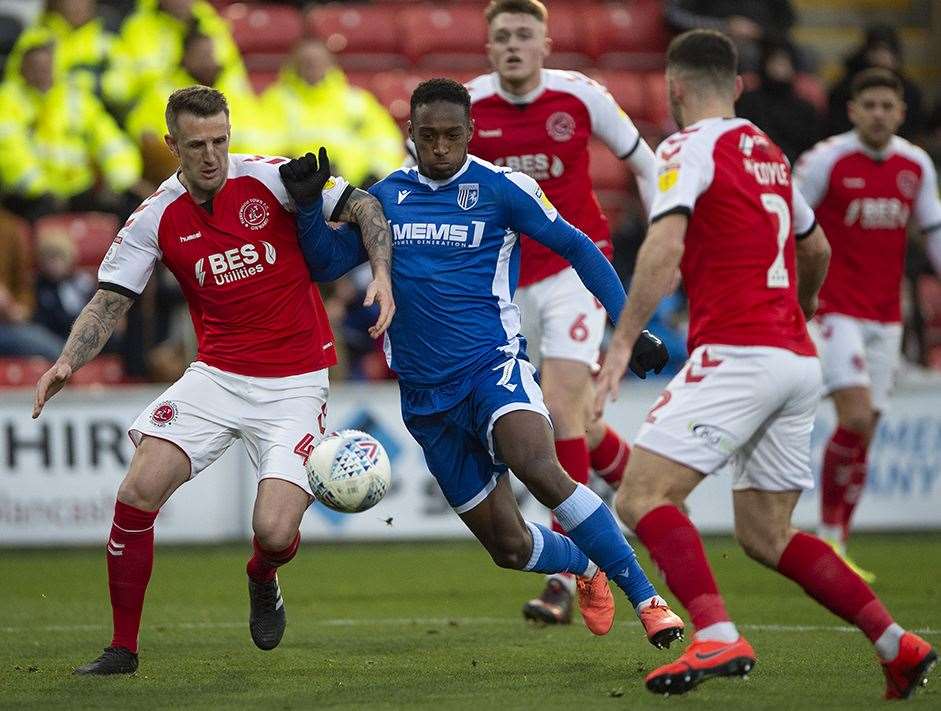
887 646
644 604
718 632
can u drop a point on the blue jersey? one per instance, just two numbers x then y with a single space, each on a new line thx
455 265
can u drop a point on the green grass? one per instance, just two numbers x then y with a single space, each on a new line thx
426 625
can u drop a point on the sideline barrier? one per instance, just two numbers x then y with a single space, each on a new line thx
59 474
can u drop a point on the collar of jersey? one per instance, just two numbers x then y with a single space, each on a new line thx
526 98
878 156
435 184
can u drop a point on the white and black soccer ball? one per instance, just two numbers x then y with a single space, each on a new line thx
349 471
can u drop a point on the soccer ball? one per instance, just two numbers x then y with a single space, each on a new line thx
348 471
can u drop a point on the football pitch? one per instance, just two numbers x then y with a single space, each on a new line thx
428 626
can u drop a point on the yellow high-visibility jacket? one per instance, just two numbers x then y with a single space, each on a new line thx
359 134
252 131
150 47
82 52
60 140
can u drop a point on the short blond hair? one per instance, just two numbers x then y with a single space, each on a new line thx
523 7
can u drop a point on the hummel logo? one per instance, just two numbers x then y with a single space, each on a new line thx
402 195
490 132
190 238
857 183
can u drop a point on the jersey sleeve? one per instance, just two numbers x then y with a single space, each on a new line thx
130 260
927 207
684 171
812 175
267 170
608 120
804 219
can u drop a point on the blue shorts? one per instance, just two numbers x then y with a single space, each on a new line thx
458 441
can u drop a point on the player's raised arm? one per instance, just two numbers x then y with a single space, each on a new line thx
306 178
89 334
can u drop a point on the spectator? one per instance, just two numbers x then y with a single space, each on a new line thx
881 48
253 131
19 337
61 292
150 46
56 139
319 108
83 45
748 22
775 108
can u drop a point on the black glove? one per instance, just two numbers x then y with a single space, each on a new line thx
649 354
304 179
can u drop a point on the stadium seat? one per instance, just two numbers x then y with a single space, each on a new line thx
627 35
394 89
90 232
658 105
264 28
104 370
364 37
444 37
629 90
606 169
261 79
21 372
569 43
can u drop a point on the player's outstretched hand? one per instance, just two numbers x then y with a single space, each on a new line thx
51 382
649 354
305 177
380 291
609 379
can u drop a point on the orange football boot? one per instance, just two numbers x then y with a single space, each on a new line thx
596 603
662 625
702 660
909 670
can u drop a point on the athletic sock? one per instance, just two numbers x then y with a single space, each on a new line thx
814 566
264 564
590 524
554 553
835 474
573 456
677 550
609 457
130 562
855 487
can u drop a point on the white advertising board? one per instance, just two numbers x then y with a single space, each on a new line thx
59 474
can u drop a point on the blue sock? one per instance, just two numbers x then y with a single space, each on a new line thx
590 524
554 553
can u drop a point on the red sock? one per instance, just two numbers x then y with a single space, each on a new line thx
855 488
838 464
609 457
130 561
814 566
263 564
676 548
573 456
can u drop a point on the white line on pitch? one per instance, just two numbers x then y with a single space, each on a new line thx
407 621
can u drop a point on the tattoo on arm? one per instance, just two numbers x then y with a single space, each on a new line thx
364 210
93 327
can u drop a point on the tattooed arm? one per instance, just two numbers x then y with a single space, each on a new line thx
89 334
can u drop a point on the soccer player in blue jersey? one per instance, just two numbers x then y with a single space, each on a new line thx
469 394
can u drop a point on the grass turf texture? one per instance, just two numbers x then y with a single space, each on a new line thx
427 625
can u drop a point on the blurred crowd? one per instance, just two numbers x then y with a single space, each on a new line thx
82 99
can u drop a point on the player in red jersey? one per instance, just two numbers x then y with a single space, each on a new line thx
539 121
865 185
726 213
223 224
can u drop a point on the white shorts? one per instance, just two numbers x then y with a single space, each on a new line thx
278 419
561 319
855 352
751 407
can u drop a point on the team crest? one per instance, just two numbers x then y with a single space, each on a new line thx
467 195
908 183
560 126
164 414
254 213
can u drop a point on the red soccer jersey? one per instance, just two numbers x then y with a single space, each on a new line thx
739 258
545 135
863 201
254 308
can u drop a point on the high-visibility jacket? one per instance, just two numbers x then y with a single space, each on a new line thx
360 135
150 47
82 52
252 130
58 141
